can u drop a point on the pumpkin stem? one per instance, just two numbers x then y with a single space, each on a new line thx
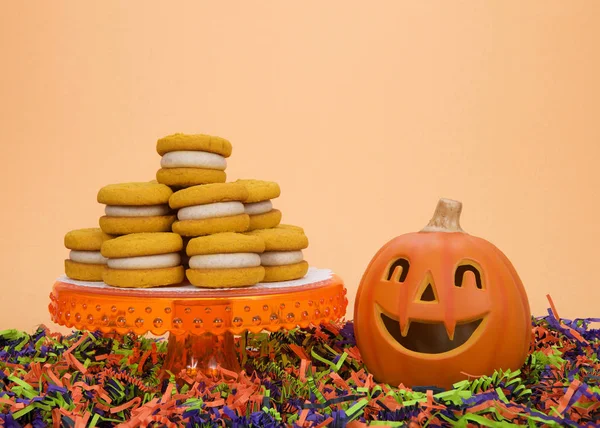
446 217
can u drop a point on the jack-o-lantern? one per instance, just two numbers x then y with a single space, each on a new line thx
436 306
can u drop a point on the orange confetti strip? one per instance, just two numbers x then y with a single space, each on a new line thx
180 397
391 403
186 378
501 407
564 401
143 360
354 353
154 352
243 399
81 421
575 333
303 416
332 328
86 386
471 376
102 394
325 422
102 407
5 401
167 395
369 382
76 344
302 373
80 367
229 373
429 394
552 307
65 412
337 380
355 378
131 403
215 403
299 351
481 406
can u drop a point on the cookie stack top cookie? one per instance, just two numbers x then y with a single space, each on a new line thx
189 160
216 225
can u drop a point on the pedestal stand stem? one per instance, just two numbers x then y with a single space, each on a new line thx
205 352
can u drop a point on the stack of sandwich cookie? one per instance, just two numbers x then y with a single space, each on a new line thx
142 260
136 208
85 262
258 204
225 260
283 259
210 208
189 160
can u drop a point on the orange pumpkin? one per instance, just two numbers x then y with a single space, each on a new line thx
436 306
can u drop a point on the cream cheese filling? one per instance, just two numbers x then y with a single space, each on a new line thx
136 211
280 258
87 257
256 208
193 159
146 262
217 209
224 261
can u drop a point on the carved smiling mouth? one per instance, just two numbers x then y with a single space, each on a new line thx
430 338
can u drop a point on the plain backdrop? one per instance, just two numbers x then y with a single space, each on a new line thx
365 113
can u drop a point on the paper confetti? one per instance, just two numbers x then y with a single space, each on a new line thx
311 377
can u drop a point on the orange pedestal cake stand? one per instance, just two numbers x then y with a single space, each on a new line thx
201 322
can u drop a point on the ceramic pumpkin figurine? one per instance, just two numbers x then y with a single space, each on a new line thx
438 305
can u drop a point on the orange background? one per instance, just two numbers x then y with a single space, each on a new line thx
365 113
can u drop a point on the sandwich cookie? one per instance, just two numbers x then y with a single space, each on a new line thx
189 160
136 208
283 259
289 226
142 260
258 205
210 208
225 260
85 262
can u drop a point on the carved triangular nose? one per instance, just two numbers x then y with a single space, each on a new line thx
428 294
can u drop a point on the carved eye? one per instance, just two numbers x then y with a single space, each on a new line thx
398 270
461 270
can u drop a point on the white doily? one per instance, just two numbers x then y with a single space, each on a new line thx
313 275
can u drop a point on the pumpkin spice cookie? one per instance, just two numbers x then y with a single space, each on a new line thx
136 208
258 205
210 208
283 259
189 160
290 226
142 260
225 260
85 262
